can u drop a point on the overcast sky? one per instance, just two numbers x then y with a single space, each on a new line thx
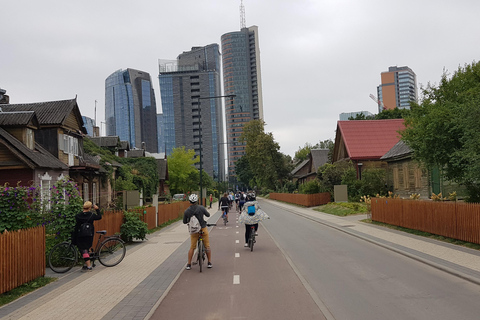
319 58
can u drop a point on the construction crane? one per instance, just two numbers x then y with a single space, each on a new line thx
379 103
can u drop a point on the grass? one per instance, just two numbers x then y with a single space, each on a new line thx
343 209
22 290
426 235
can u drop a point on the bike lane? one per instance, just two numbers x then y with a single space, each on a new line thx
241 285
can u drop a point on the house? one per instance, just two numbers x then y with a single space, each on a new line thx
23 161
364 142
60 132
307 169
113 144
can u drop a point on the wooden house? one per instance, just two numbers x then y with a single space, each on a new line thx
60 132
307 169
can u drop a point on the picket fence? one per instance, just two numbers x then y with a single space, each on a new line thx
22 257
456 220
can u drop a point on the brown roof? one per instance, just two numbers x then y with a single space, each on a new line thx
110 141
39 157
20 118
50 112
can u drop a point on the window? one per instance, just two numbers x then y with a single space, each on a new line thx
85 191
70 145
94 193
30 142
45 195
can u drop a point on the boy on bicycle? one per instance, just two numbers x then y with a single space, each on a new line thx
199 211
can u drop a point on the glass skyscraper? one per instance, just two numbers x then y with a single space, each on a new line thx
130 108
187 120
242 77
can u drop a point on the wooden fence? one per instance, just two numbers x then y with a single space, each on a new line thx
455 220
307 200
111 221
171 211
22 257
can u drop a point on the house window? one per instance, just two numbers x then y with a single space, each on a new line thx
30 142
70 145
85 191
45 185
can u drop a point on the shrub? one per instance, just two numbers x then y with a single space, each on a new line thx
133 227
19 207
309 187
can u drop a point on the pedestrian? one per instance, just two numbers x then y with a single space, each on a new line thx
199 211
211 200
84 239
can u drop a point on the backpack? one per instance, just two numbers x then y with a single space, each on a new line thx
251 210
194 225
86 229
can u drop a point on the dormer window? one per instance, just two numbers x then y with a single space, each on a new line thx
29 139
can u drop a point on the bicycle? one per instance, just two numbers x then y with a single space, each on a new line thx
200 250
251 240
110 252
224 215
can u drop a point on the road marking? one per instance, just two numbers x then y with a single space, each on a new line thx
237 241
237 255
237 232
236 279
237 226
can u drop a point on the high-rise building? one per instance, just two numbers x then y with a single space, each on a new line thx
160 133
130 108
398 88
190 119
242 77
90 126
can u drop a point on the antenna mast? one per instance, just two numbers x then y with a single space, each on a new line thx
242 15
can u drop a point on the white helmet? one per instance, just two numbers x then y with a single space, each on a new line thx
193 198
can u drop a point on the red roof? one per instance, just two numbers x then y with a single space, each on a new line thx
370 139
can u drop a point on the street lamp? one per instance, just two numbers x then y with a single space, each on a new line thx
231 96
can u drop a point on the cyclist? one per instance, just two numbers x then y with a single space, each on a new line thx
199 211
84 243
224 204
250 201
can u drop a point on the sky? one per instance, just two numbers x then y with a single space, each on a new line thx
319 58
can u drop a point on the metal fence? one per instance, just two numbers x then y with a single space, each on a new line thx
455 220
306 200
22 257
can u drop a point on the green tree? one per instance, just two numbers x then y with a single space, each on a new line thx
268 165
444 131
244 172
302 153
183 176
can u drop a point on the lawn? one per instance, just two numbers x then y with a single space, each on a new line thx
343 209
22 290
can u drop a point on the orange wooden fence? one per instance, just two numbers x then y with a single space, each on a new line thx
111 221
450 219
22 257
171 211
307 200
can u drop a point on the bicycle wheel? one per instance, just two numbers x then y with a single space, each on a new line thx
251 241
201 254
112 252
225 220
62 257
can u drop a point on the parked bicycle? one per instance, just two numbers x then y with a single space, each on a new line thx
201 251
110 251
251 240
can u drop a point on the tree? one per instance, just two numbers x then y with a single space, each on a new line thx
267 164
444 131
183 176
302 153
244 172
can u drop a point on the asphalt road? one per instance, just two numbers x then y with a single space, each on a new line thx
359 280
241 285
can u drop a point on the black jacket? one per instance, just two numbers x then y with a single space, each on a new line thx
199 212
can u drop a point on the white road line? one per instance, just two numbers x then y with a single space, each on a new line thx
236 279
237 241
237 231
237 255
237 226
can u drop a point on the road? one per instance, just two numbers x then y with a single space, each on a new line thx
331 275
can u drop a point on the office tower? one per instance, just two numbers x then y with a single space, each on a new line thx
160 133
242 77
130 108
90 126
398 88
189 118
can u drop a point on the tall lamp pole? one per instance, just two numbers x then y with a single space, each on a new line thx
231 96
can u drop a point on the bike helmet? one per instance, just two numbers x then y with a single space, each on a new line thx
193 198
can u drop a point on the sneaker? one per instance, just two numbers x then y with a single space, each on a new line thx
84 268
88 269
209 265
256 234
188 267
246 245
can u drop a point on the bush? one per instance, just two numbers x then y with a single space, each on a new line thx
18 208
309 187
134 227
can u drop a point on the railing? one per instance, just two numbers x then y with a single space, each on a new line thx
455 220
306 200
22 257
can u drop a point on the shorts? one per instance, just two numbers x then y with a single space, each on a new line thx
194 239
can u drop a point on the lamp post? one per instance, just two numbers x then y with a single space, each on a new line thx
231 96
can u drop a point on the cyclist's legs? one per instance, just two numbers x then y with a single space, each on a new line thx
206 242
225 209
247 232
193 245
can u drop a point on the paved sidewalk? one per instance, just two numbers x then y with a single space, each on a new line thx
134 288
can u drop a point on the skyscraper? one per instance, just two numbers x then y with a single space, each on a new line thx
242 77
188 120
130 108
398 88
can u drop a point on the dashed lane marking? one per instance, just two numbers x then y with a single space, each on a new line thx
236 279
237 255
